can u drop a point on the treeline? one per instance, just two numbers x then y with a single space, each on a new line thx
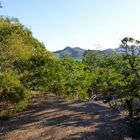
26 65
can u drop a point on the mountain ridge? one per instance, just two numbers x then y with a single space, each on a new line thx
77 52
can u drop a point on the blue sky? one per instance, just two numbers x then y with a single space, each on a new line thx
77 23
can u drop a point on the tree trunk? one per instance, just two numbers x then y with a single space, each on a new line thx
129 105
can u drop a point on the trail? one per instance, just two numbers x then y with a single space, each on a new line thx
51 118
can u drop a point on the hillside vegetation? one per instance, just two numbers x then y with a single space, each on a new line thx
26 65
78 53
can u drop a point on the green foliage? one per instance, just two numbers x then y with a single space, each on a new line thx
11 88
77 81
17 43
65 77
26 65
19 106
117 74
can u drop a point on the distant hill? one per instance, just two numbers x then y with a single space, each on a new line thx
77 52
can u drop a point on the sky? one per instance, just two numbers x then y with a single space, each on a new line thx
89 24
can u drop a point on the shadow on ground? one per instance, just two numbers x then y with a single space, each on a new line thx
51 118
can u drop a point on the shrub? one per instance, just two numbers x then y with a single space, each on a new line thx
12 93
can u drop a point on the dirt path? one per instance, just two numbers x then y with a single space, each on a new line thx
50 118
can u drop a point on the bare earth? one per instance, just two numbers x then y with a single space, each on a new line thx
50 118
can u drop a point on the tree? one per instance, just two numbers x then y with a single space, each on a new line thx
116 74
132 56
19 52
132 52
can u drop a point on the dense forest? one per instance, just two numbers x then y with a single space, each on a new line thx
26 66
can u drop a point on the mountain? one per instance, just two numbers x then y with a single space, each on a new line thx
110 51
107 51
76 52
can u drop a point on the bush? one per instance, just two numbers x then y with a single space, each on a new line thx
12 93
11 88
